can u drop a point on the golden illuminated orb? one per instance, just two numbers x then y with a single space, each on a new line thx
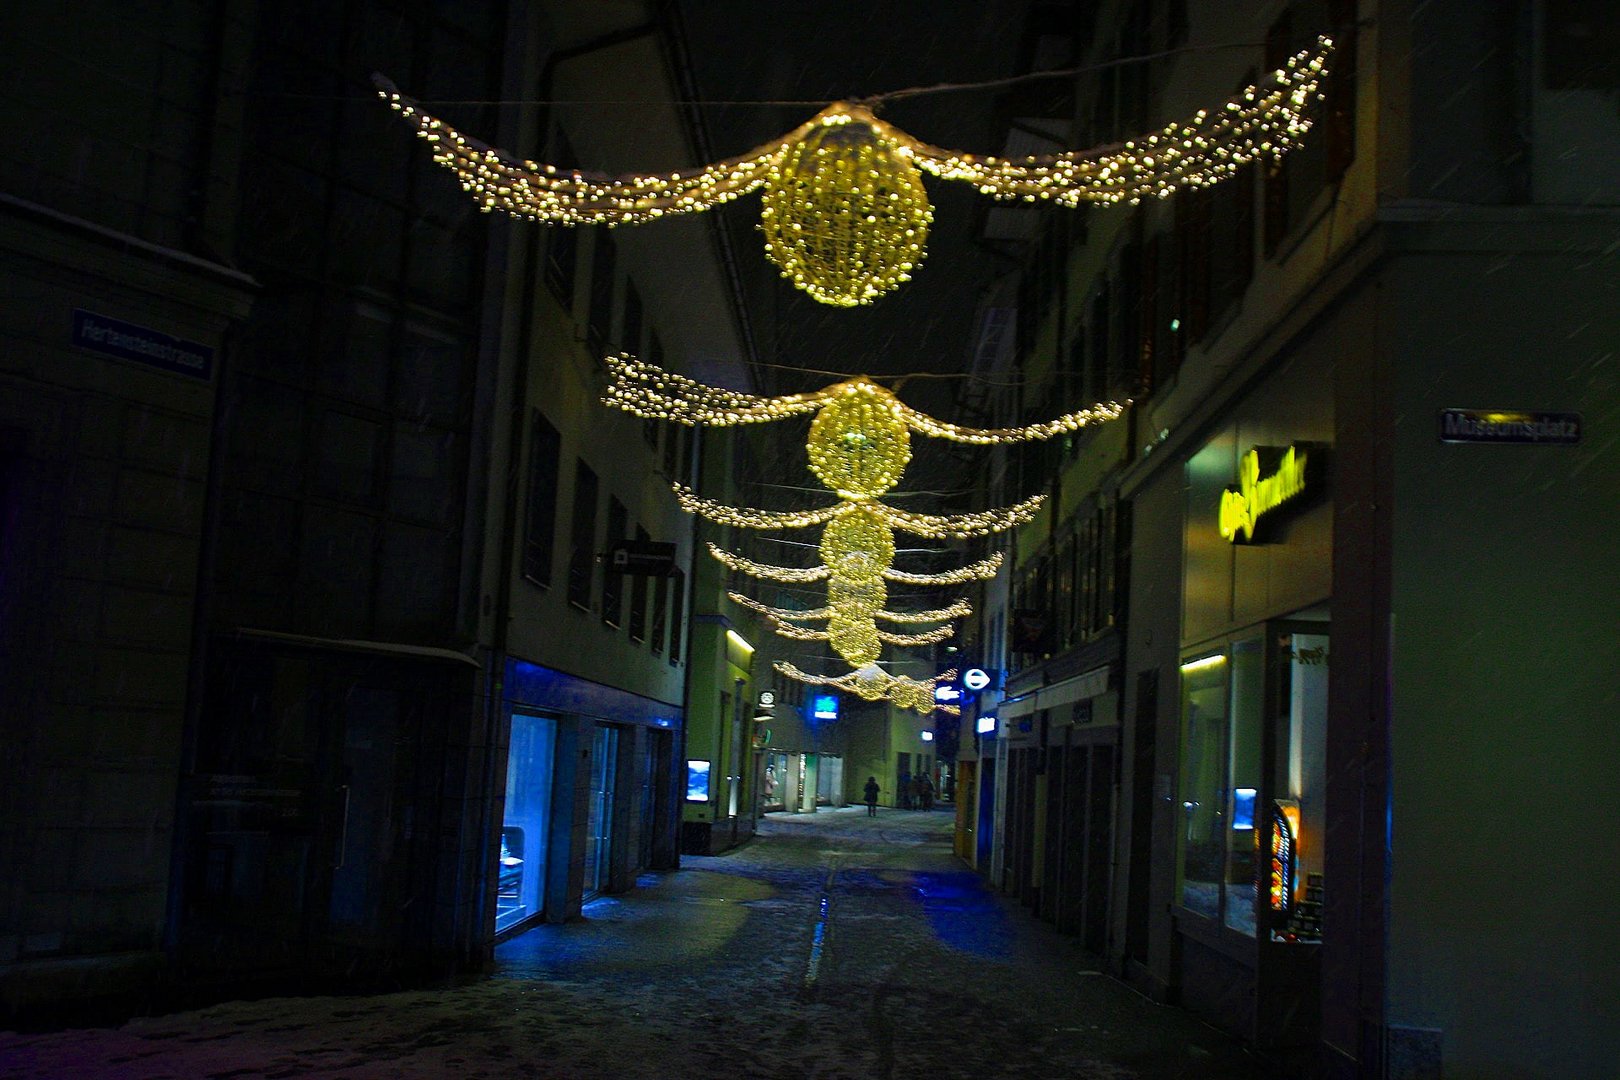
844 212
859 443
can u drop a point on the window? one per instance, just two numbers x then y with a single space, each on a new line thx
660 614
1201 827
677 621
650 428
1249 839
599 320
562 257
638 598
688 452
540 535
1293 183
612 580
582 556
562 247
630 336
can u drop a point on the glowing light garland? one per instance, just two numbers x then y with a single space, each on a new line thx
957 610
845 214
859 446
874 684
652 393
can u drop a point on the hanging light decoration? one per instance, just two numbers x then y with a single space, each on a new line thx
859 446
872 683
844 212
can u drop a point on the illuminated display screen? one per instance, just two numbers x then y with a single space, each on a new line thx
825 707
1243 808
697 781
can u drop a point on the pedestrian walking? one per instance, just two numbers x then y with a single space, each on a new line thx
871 796
925 792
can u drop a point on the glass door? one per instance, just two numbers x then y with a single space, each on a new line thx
526 827
599 826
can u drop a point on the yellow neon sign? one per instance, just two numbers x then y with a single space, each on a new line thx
1254 497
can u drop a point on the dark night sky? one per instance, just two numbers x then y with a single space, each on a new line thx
745 51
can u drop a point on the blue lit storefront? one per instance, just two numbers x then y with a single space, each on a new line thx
590 794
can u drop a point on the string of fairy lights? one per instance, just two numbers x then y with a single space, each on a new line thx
845 217
858 447
844 212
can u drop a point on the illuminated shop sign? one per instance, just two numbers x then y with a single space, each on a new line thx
825 707
1255 496
947 694
975 679
985 725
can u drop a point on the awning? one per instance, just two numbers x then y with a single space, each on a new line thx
1012 710
1093 683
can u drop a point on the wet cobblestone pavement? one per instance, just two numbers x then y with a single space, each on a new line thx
832 946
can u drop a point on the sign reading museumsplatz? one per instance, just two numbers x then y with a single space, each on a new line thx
1512 426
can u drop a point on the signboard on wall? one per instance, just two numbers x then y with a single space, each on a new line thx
642 558
1270 478
128 341
1511 426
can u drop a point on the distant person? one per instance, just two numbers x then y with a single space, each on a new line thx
905 791
871 796
925 792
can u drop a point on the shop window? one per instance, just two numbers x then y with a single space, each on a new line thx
582 556
525 829
1249 835
1294 876
545 446
1200 828
1243 784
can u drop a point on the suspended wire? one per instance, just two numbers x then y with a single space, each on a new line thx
870 101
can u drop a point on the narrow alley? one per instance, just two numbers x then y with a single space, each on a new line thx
834 945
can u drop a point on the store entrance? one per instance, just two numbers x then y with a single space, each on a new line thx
526 826
600 823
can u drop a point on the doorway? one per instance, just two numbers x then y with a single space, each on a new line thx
526 825
599 823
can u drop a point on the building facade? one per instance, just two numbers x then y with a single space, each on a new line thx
1370 386
315 663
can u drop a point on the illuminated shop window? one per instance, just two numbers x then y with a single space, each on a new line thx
1200 828
526 827
1248 842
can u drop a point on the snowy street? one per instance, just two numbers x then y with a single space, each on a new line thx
732 966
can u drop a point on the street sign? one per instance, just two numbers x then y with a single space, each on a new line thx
767 698
642 558
975 679
1511 426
